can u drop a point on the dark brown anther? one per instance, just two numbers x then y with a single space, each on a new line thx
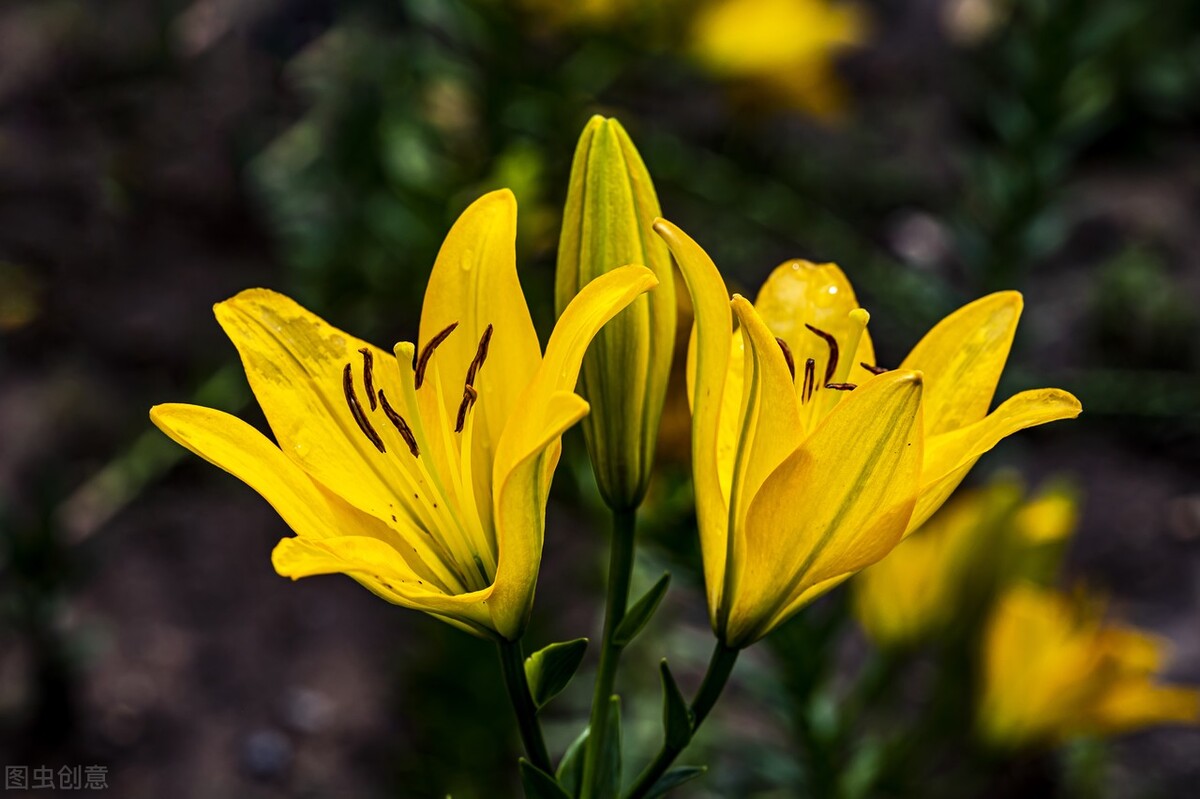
357 411
427 353
787 356
810 377
369 375
830 367
841 386
875 370
480 356
401 426
469 397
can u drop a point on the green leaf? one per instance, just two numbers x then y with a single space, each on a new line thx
570 768
538 784
674 778
677 718
637 616
550 669
609 766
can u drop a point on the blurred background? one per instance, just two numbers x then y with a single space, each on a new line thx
157 156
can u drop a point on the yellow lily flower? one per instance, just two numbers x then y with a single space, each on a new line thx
809 466
1053 670
423 474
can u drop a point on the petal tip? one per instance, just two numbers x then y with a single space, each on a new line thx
502 197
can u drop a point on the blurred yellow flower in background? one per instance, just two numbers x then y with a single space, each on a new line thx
1052 669
786 47
809 461
981 539
423 474
912 591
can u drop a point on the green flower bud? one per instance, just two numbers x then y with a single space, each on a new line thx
607 220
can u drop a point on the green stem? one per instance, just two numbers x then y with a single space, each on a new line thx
512 661
720 666
620 571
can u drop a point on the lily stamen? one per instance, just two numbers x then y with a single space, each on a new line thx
357 411
810 378
369 375
400 424
787 356
427 353
842 386
875 370
481 354
830 367
469 397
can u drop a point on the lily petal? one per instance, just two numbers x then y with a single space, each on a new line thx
548 407
711 353
839 503
474 284
311 511
800 293
962 358
1134 704
375 565
768 420
949 456
521 515
294 361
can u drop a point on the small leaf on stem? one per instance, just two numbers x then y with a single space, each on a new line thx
637 616
550 669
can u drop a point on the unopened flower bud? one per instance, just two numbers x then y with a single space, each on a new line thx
611 206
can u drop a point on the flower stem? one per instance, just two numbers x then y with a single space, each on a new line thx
512 661
620 571
720 666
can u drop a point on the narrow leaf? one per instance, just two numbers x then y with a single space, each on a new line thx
609 773
570 768
677 718
674 778
637 616
550 669
540 785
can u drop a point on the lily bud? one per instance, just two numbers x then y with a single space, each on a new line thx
607 223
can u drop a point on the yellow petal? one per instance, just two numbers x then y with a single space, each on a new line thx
311 511
1037 667
768 421
800 293
766 37
838 504
521 470
521 515
1051 516
294 361
949 456
962 358
1142 703
377 566
474 284
711 353
729 426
